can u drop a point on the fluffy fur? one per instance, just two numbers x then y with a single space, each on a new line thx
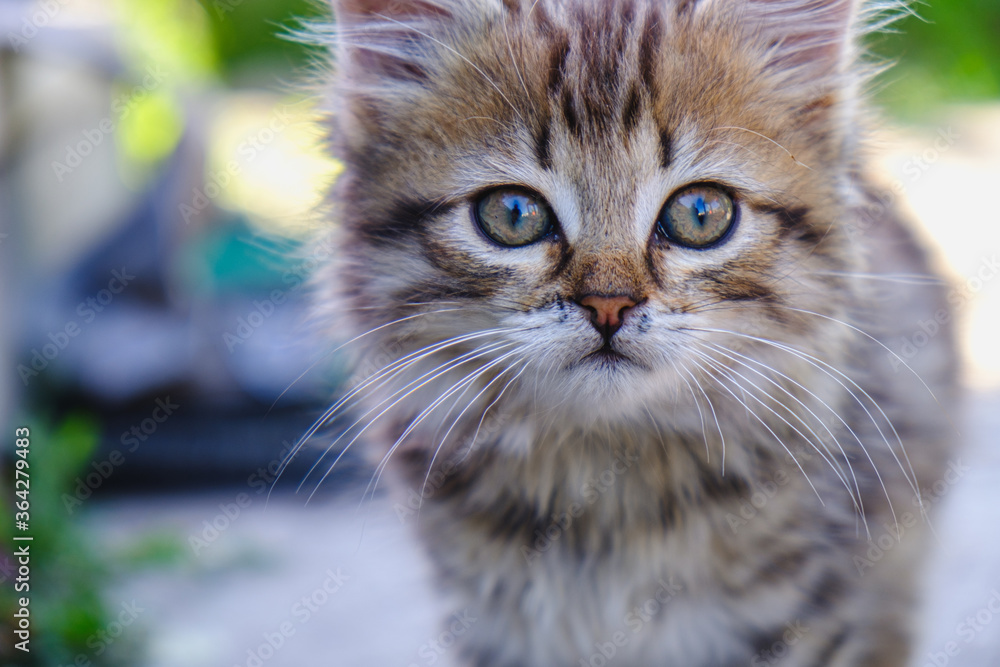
711 494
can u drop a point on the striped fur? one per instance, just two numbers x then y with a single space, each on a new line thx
702 496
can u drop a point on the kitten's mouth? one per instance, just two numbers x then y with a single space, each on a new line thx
608 355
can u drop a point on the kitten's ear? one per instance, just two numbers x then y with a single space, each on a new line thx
385 39
806 38
367 11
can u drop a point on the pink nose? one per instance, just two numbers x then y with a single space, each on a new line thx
607 312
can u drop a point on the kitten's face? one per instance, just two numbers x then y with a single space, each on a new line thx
592 191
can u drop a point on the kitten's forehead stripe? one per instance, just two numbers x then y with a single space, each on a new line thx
649 47
569 113
557 64
542 146
630 112
666 148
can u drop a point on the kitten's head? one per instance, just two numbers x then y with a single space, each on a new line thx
586 194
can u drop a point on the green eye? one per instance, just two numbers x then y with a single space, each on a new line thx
697 216
513 217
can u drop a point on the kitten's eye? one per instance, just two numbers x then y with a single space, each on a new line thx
513 217
697 216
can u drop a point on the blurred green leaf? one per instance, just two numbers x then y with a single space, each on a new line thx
66 575
250 38
948 54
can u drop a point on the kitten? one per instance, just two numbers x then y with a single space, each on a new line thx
626 295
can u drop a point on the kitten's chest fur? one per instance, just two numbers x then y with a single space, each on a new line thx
639 550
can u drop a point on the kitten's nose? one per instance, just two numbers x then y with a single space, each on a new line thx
607 312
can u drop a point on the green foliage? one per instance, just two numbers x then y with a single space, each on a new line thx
249 38
948 53
66 574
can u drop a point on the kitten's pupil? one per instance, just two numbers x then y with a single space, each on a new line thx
515 214
702 213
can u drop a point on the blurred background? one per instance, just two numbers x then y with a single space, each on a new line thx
158 172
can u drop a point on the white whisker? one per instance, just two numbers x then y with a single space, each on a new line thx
828 456
471 377
419 382
385 374
751 412
833 373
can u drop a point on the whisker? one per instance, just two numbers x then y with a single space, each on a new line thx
833 372
829 457
659 433
715 416
496 400
751 412
874 340
444 438
697 404
836 440
388 370
426 377
900 278
353 340
767 138
471 377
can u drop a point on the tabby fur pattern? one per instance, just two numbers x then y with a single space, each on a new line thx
709 494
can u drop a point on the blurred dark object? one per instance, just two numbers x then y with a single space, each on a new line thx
123 297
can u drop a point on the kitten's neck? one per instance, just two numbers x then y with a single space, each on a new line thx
606 475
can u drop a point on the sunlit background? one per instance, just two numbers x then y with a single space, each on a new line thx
158 176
